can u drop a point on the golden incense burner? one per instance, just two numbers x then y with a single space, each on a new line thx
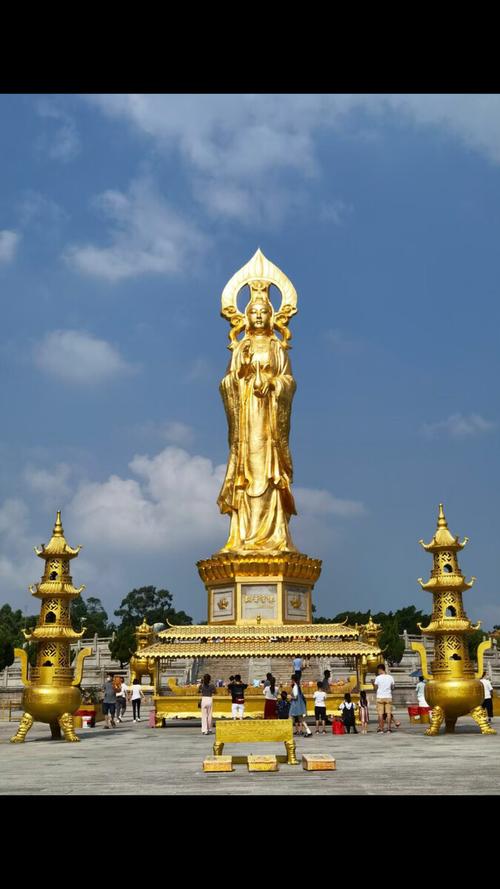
453 690
143 666
52 692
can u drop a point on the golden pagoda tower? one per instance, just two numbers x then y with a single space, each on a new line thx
453 689
370 633
142 666
52 692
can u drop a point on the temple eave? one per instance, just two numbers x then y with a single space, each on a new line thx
257 648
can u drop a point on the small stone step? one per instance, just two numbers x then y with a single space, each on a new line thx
258 763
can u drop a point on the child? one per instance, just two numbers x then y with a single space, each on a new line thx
363 712
347 711
320 707
283 706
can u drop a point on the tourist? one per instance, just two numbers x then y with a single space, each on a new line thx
348 714
137 695
364 713
271 696
320 707
207 690
298 709
297 667
420 689
325 682
384 685
488 696
109 702
121 700
237 692
267 680
283 706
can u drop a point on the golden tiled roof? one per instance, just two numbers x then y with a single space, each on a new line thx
260 648
259 631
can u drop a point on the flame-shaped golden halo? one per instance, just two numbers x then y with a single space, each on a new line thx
258 269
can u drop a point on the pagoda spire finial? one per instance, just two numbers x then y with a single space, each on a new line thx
442 523
58 528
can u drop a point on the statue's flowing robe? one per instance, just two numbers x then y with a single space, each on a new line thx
256 492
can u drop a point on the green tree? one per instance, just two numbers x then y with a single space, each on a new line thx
90 614
390 641
152 605
123 644
12 624
408 619
146 603
473 641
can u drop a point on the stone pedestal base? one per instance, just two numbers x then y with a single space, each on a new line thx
259 589
262 763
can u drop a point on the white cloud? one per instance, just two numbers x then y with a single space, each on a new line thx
147 237
178 433
63 143
234 146
73 356
458 426
171 505
319 502
9 241
339 342
52 485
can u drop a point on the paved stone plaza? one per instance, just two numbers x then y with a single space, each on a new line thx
135 759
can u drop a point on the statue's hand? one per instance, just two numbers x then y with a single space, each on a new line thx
264 389
246 368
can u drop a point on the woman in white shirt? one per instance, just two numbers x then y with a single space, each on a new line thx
271 695
137 695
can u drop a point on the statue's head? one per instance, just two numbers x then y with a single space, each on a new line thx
259 311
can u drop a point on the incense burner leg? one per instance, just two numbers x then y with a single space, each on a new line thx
291 753
218 748
24 727
66 723
479 716
450 725
55 730
437 716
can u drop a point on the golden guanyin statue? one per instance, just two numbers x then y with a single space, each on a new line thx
257 392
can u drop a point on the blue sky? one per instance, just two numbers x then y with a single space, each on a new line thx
121 220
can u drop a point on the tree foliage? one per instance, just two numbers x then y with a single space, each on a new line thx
393 625
146 603
90 613
152 605
12 624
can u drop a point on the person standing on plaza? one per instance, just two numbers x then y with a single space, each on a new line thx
364 713
488 695
121 699
207 690
325 682
298 708
384 685
137 695
420 689
348 714
320 707
271 697
237 691
297 667
109 702
283 706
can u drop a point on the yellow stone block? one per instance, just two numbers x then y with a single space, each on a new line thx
262 763
218 764
318 762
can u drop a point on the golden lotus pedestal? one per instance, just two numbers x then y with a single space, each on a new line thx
261 589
